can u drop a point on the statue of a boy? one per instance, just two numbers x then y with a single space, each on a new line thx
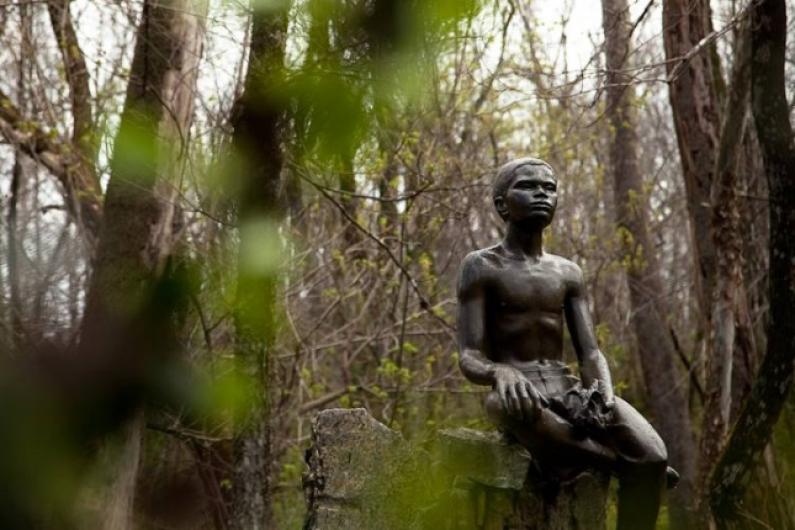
512 298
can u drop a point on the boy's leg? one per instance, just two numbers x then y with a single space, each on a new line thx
641 461
629 447
549 437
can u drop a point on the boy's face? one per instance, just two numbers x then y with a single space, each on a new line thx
532 196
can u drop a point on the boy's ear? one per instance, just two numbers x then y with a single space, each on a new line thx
499 204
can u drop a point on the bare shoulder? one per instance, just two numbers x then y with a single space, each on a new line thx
570 272
476 267
484 258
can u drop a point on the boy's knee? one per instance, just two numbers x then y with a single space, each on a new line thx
656 453
645 452
654 456
497 412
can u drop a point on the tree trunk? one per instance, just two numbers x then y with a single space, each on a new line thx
388 214
695 93
729 297
257 144
117 513
753 233
713 203
347 183
14 281
134 238
85 194
774 379
667 398
18 172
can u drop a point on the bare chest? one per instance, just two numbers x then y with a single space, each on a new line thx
527 289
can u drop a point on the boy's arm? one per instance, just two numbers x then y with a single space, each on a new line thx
471 315
593 365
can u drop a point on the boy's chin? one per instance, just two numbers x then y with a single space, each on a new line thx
536 219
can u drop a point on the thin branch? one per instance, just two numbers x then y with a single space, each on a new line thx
424 304
61 159
77 78
188 435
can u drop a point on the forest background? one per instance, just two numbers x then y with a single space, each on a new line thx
219 217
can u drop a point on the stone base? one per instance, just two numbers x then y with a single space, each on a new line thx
363 476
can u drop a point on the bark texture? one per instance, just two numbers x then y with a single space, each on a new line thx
754 237
71 162
17 184
257 146
729 307
695 92
59 158
667 397
135 234
85 193
386 121
774 379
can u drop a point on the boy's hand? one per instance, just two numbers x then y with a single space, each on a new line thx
518 395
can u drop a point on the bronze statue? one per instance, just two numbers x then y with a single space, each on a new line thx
512 298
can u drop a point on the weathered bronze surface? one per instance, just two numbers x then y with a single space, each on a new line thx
512 300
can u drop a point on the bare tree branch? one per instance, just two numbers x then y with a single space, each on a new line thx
61 159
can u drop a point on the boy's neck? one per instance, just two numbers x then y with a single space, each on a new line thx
525 240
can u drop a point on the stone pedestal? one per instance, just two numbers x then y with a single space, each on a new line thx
363 476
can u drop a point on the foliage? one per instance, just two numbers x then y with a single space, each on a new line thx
393 123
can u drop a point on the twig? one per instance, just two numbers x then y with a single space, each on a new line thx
188 435
424 304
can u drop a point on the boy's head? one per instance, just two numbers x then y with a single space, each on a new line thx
530 169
